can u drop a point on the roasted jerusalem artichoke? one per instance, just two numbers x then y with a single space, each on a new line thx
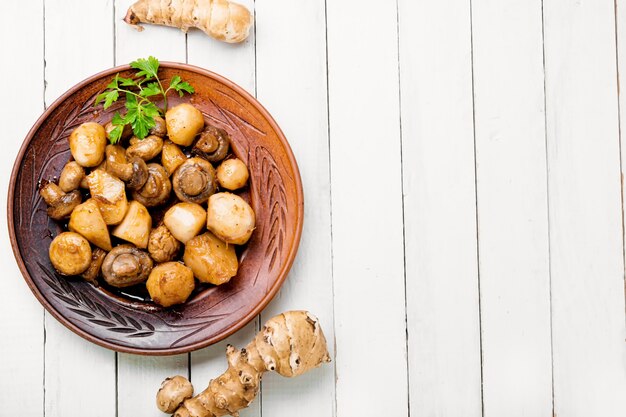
109 237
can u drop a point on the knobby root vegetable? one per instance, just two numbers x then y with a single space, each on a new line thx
291 344
173 391
222 19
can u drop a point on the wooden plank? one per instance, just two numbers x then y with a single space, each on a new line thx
512 207
139 377
79 375
234 61
440 208
165 43
585 209
288 58
366 201
21 343
620 38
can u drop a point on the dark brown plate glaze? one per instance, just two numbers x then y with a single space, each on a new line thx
127 325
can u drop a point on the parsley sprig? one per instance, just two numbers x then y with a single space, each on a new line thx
138 91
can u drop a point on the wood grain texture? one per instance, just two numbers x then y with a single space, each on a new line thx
234 61
285 59
512 207
139 377
587 265
22 335
620 39
368 262
67 355
440 208
165 43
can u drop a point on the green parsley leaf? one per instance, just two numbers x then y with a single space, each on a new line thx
175 81
151 110
115 134
100 97
118 120
150 90
113 84
129 118
131 101
148 67
111 97
142 124
138 90
127 82
184 87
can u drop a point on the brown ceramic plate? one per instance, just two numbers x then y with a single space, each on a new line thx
128 324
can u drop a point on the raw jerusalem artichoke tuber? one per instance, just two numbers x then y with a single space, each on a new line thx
291 344
222 19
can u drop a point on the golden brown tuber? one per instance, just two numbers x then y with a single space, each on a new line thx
291 344
222 19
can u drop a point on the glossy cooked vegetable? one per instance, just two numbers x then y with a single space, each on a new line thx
185 220
87 143
159 129
157 188
71 176
171 156
86 219
213 144
133 172
232 174
170 283
162 245
70 253
230 218
91 274
60 204
194 181
126 265
136 226
183 122
187 231
146 149
110 194
211 260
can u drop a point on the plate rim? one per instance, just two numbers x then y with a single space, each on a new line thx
273 290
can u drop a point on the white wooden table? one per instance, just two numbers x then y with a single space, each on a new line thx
463 243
